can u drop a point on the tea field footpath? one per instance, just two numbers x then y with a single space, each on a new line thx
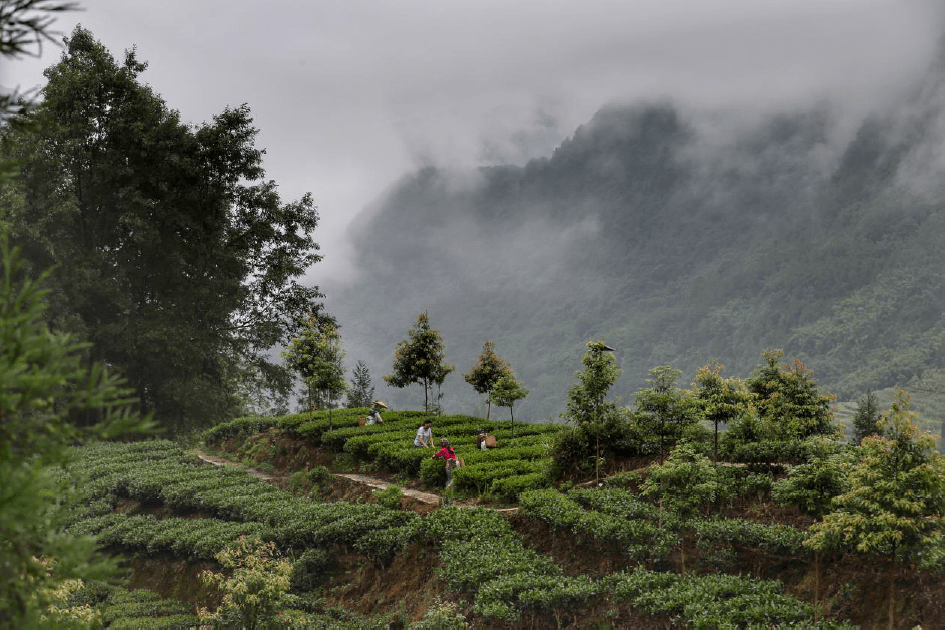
423 496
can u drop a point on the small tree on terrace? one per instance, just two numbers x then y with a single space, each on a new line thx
586 407
664 409
360 390
489 369
721 400
316 355
788 400
506 392
893 511
686 484
420 359
866 417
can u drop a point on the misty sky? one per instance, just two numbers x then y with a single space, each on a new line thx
350 95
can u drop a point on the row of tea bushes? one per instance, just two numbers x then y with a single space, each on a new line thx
237 503
644 532
481 556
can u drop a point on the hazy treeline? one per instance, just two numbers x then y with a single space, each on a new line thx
676 238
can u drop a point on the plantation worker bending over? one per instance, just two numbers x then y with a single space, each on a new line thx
374 416
451 458
423 437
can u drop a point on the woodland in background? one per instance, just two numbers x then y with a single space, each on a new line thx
675 250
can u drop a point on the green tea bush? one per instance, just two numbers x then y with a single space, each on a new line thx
467 564
310 570
510 487
552 507
237 428
508 596
389 497
715 601
479 477
774 539
384 544
442 615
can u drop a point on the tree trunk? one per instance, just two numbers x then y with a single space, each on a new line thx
487 406
817 582
715 442
893 588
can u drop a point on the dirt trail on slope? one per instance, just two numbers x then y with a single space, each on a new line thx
423 496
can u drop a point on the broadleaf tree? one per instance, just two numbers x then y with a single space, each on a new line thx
788 400
420 359
893 510
487 371
316 355
175 256
506 392
721 399
663 409
586 407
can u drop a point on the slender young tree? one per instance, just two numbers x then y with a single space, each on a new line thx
489 369
721 400
316 355
360 390
420 359
866 417
506 392
586 407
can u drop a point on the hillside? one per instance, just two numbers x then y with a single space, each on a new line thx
566 556
676 238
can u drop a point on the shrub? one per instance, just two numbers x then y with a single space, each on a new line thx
310 570
255 592
389 497
442 615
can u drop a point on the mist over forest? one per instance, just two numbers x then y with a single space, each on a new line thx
677 236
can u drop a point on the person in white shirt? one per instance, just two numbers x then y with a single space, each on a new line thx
424 437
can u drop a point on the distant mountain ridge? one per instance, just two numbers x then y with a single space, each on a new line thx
675 246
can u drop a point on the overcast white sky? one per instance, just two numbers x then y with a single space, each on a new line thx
350 95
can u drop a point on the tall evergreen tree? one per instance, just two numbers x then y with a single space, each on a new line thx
489 369
420 359
43 383
360 390
174 256
866 417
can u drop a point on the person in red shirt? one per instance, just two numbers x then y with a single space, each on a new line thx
446 452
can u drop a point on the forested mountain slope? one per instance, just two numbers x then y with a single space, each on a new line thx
676 239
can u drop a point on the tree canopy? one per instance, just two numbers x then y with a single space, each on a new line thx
487 372
420 359
175 256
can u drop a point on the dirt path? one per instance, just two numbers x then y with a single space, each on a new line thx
423 496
